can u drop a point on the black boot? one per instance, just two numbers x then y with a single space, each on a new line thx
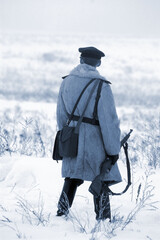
102 205
67 195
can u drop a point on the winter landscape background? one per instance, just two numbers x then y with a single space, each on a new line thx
31 181
32 64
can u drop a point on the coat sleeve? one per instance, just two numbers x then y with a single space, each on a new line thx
109 122
61 111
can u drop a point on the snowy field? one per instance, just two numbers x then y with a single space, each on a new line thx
30 181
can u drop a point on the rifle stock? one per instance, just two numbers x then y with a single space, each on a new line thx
96 186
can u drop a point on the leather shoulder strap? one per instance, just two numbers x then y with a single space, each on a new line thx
97 99
87 102
98 96
65 76
106 81
75 106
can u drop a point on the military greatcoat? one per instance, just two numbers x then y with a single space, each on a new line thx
93 140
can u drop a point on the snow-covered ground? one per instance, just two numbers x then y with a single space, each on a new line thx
29 196
30 181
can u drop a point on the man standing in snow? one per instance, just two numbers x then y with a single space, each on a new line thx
95 140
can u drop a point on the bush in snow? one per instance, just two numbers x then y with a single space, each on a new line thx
25 134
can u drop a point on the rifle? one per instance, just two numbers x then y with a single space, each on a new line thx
96 185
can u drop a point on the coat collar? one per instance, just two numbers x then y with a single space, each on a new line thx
86 71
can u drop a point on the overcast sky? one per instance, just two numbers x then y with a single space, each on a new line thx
135 18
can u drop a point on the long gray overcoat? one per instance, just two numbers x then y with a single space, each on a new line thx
92 139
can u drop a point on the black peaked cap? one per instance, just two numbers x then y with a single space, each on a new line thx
91 52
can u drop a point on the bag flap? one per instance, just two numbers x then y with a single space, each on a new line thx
66 133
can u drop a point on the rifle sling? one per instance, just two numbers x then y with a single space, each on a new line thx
125 147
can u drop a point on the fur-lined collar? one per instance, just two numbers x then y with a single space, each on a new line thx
86 71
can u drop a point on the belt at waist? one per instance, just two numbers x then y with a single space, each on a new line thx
86 120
